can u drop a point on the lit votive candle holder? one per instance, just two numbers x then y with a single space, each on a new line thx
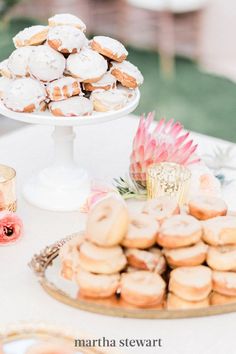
168 178
7 188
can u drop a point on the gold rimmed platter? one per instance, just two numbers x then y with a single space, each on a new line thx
46 266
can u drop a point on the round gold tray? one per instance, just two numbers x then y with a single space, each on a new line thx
46 266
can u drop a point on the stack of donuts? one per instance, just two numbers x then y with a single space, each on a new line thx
159 256
56 67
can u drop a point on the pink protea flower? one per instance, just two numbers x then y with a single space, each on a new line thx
167 142
10 227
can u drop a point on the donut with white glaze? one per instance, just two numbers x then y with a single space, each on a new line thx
24 95
4 86
18 62
66 39
107 82
207 207
219 299
34 35
63 88
87 65
110 48
161 208
174 302
68 20
220 230
151 259
142 288
101 260
224 283
127 74
46 64
105 101
222 257
107 222
71 107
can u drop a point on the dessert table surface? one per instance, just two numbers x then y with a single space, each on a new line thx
104 150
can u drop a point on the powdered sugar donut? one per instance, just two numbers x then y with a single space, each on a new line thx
186 256
4 70
101 260
191 283
222 258
179 231
176 303
107 82
45 64
109 47
52 347
18 62
107 222
127 73
206 207
71 107
220 230
104 101
224 283
151 259
4 85
87 65
142 288
66 39
161 208
67 19
63 88
24 95
142 231
33 35
97 286
69 256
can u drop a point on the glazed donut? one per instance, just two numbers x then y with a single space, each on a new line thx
161 208
19 60
127 74
179 231
33 35
67 19
224 283
142 288
101 260
220 230
191 283
176 303
87 65
24 95
5 83
46 64
97 286
109 47
104 101
127 91
107 82
4 70
222 258
63 88
52 347
71 107
207 207
107 222
219 299
186 256
66 39
151 259
69 256
142 231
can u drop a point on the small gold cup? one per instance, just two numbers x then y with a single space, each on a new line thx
168 178
7 188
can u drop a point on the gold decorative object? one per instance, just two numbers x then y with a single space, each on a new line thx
7 188
46 267
168 178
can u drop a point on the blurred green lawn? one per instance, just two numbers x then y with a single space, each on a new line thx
202 102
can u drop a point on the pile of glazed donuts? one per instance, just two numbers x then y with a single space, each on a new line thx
58 68
161 256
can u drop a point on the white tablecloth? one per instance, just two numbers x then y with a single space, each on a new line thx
104 151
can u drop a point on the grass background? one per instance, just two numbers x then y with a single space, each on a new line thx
202 102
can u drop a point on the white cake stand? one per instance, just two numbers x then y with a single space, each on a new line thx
63 186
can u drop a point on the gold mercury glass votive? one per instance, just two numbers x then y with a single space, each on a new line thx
168 178
7 188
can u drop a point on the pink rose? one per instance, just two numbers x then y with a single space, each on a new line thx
10 227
